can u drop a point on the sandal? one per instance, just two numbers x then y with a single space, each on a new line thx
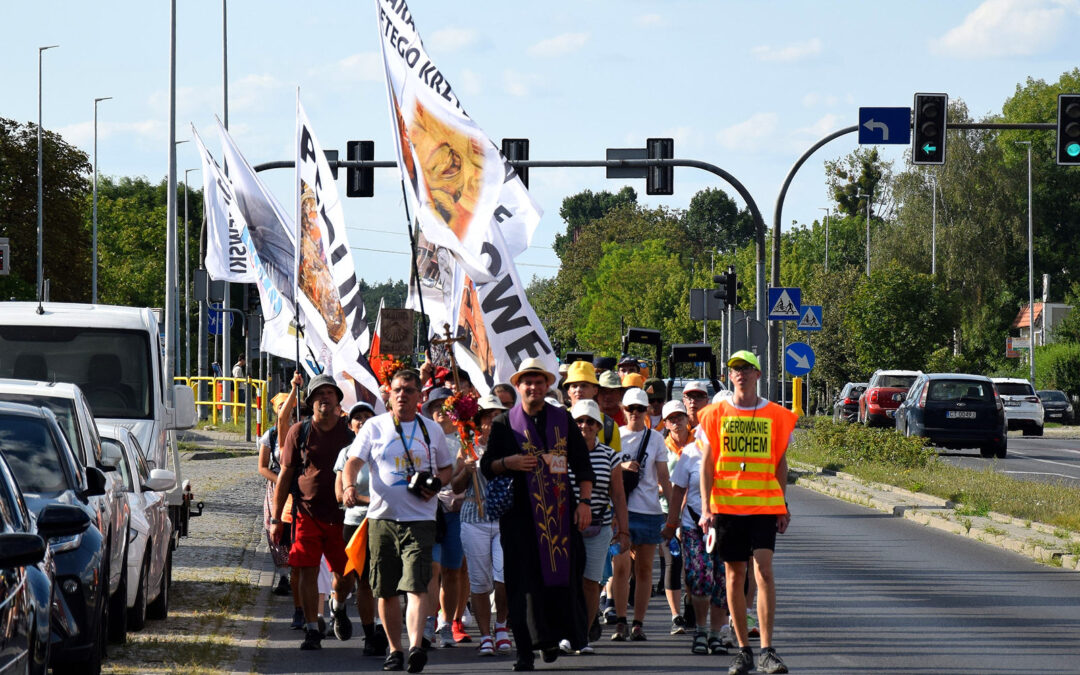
701 644
502 641
716 646
487 647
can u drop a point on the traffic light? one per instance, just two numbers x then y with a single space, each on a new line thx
928 141
733 286
517 149
1068 130
723 286
251 298
360 182
660 180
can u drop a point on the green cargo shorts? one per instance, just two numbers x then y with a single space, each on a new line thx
400 556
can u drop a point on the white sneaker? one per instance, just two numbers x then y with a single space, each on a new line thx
726 636
564 646
587 649
467 618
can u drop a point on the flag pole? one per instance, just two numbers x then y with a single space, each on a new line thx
415 269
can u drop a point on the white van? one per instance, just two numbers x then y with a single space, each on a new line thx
114 354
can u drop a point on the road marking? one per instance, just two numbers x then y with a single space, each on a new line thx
1044 473
1036 459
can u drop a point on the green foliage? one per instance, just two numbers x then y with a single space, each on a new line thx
842 446
863 172
1057 366
714 222
579 210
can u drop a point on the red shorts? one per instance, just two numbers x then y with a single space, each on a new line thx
313 539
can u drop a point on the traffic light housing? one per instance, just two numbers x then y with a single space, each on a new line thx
722 286
1068 130
516 149
360 182
660 180
733 286
928 137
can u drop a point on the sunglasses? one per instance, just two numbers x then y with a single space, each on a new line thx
696 395
743 368
636 409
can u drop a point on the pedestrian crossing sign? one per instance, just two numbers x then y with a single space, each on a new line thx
810 318
785 304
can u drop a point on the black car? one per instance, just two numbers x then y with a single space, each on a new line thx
1057 405
846 407
48 473
955 411
27 581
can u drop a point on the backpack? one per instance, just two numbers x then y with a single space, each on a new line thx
305 461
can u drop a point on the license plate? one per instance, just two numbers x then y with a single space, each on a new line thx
890 413
1011 404
960 414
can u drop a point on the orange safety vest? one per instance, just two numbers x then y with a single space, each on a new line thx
747 445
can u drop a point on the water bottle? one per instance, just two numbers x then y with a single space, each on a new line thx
614 549
673 547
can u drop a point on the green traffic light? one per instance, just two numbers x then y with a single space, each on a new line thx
1072 149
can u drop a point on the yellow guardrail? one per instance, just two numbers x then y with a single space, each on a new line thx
257 390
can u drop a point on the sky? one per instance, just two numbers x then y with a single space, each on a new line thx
748 86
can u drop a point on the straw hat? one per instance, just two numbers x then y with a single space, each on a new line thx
532 365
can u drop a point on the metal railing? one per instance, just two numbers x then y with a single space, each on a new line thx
257 398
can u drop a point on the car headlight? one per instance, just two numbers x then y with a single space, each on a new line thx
69 543
70 586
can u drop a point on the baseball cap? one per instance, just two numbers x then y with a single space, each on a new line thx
629 361
672 407
360 405
635 396
610 380
696 385
320 381
745 356
607 362
587 408
437 395
633 380
581 371
655 388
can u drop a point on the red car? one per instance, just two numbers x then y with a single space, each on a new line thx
877 405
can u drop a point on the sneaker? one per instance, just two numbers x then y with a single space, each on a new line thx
340 618
487 647
637 634
297 619
678 625
621 633
701 644
396 661
751 625
428 641
595 630
769 662
586 650
312 640
446 635
502 641
467 618
322 625
742 663
727 636
716 646
457 629
377 644
550 655
283 587
417 659
564 646
610 618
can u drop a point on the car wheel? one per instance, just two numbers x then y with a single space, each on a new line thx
1001 450
118 608
37 661
987 451
159 608
92 664
137 614
1037 431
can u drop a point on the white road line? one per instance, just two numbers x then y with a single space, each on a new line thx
1044 473
1036 459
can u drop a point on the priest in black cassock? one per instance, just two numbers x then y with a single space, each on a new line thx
538 444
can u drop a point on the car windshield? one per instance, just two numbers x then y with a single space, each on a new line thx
62 408
954 390
32 454
1015 389
895 381
111 366
1053 396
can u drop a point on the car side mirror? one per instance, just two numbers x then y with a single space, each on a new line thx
182 415
110 457
18 549
62 520
95 482
160 480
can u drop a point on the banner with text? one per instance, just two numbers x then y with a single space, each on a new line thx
227 256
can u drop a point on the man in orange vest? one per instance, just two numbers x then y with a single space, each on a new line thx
743 477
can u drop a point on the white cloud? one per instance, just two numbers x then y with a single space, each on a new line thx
560 45
793 52
359 67
251 91
471 83
999 28
650 20
515 83
747 135
450 39
82 133
813 98
824 126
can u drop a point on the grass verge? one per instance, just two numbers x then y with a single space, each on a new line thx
884 456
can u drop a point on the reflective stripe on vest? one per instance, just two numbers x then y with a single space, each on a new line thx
746 446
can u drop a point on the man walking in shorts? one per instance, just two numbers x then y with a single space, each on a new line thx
744 442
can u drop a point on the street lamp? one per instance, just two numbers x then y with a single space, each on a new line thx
40 219
933 229
187 281
1031 274
827 211
93 285
860 195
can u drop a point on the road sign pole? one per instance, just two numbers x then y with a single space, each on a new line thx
783 367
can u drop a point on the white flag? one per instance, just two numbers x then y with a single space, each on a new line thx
227 256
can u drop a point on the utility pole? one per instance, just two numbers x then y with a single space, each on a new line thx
1031 273
860 195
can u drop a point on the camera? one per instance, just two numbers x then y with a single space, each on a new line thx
423 480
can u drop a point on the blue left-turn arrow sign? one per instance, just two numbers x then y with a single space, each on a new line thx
884 126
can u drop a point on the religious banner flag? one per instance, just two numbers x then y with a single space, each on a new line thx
227 256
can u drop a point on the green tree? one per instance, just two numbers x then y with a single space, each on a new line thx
66 245
578 210
714 222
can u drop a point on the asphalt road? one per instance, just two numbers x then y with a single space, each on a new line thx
1045 458
859 591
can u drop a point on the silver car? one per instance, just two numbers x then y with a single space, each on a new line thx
1023 409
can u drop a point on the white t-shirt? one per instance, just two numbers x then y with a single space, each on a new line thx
354 515
380 447
687 474
646 497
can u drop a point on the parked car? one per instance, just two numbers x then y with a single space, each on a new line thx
49 474
72 411
1023 409
955 411
879 402
1056 405
149 569
846 407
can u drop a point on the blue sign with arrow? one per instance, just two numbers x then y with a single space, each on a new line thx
215 319
884 126
798 358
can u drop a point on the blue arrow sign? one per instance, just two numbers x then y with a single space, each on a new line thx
784 304
810 318
798 358
884 126
214 319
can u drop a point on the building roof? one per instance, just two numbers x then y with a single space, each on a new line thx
1023 320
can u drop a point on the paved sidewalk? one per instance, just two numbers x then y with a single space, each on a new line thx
1040 542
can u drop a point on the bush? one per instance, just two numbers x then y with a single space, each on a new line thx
841 445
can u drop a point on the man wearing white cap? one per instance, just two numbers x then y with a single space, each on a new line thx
695 397
538 444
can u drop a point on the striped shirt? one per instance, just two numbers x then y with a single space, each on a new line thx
603 460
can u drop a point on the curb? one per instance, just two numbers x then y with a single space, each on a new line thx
258 563
1037 541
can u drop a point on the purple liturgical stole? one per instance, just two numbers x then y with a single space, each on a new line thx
549 489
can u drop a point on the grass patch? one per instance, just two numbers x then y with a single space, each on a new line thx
222 425
996 531
884 456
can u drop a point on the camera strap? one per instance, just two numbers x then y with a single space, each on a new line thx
407 445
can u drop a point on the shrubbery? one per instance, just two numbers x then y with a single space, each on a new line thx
842 445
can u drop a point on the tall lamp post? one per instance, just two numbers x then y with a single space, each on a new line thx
827 211
1031 273
187 281
933 229
860 195
40 219
93 285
